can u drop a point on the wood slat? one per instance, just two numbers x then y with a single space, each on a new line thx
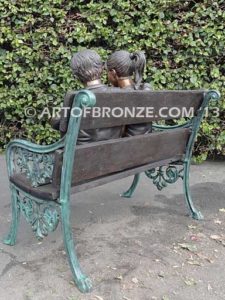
131 99
51 192
45 192
99 159
120 175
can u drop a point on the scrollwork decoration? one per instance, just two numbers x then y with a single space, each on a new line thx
42 215
37 167
161 178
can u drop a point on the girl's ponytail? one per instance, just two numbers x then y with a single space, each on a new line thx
139 62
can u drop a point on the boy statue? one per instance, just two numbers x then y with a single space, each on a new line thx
87 67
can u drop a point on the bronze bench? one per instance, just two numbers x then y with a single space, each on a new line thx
43 177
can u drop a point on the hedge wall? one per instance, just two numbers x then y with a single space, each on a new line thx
184 42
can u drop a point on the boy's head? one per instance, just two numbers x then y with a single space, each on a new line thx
87 65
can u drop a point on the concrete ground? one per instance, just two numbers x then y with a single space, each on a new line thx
140 248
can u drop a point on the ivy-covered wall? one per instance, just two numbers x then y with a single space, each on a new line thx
184 42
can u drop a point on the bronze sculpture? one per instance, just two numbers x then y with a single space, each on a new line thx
87 67
125 71
122 66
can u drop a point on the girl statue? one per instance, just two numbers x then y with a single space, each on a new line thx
125 70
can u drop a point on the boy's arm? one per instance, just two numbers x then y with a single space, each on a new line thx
60 123
55 122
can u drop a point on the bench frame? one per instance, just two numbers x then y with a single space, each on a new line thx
44 215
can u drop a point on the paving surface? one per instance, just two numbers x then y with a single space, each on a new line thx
140 248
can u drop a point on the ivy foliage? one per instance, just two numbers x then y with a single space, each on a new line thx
184 42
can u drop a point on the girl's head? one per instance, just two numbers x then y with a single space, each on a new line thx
122 64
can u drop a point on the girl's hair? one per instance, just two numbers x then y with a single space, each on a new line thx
128 64
87 65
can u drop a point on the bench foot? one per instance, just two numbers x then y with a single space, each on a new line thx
10 239
197 215
83 283
130 191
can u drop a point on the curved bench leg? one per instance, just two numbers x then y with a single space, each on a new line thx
130 191
10 239
197 215
83 282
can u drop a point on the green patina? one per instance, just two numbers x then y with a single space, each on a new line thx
160 177
42 215
37 161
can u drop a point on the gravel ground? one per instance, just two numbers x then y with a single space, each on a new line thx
133 249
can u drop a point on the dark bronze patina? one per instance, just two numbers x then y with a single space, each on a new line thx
87 67
122 66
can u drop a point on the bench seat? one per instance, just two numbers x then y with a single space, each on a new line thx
51 193
45 192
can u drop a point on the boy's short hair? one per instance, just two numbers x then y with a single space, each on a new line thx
87 65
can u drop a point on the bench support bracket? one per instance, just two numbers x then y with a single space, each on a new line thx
161 178
42 215
10 239
197 215
82 281
132 188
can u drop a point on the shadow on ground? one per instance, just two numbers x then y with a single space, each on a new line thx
142 248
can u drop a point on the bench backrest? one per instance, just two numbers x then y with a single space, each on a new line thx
107 158
155 106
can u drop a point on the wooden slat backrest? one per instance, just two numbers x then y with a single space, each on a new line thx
98 159
171 101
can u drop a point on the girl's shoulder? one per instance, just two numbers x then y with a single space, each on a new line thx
146 86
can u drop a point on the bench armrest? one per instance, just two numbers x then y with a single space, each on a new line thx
169 127
36 162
